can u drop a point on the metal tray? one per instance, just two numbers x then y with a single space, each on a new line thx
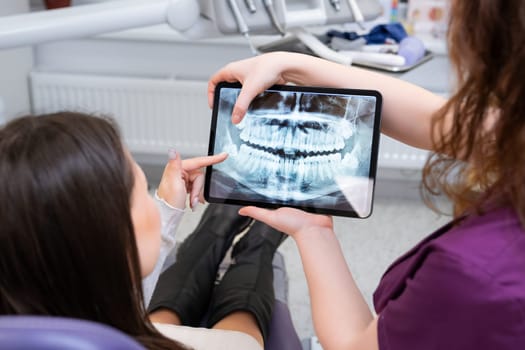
397 69
292 44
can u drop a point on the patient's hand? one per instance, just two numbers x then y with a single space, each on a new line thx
183 177
290 221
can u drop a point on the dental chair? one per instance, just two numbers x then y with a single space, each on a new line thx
57 333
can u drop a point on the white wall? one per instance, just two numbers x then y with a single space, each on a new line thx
15 65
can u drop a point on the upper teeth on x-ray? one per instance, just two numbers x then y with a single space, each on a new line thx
294 145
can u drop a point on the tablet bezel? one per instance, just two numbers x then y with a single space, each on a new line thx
309 89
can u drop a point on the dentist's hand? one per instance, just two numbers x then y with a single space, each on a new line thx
255 74
183 177
293 222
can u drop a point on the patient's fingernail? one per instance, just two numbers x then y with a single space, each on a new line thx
172 153
194 203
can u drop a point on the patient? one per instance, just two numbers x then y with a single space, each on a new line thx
79 231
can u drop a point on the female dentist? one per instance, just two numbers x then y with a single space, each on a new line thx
463 287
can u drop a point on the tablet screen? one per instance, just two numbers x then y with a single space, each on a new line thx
304 147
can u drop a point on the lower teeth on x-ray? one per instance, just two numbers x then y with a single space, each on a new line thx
293 146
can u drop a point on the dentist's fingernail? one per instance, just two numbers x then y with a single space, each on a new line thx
172 153
194 203
236 117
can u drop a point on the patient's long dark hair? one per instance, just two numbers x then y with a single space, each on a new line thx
67 245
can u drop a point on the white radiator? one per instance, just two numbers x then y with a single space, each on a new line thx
153 114
156 114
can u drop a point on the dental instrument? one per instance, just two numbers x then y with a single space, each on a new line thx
336 4
241 24
356 12
268 4
250 5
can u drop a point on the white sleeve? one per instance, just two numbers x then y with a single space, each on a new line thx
170 218
205 338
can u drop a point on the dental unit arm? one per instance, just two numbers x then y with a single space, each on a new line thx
279 16
195 19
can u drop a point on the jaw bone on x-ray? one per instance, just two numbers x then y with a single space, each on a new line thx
297 148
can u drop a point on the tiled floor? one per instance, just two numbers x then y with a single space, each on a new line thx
370 246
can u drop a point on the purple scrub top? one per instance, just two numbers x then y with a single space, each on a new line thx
463 287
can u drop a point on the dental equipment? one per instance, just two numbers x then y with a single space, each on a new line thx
356 12
194 19
336 4
319 48
268 4
347 57
241 24
250 5
288 14
388 59
89 20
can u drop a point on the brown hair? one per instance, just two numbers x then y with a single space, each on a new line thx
67 245
479 135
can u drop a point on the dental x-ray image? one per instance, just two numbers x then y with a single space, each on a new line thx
309 148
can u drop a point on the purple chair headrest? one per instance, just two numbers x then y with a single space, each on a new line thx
47 333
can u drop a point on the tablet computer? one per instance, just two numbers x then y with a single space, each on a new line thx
304 147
